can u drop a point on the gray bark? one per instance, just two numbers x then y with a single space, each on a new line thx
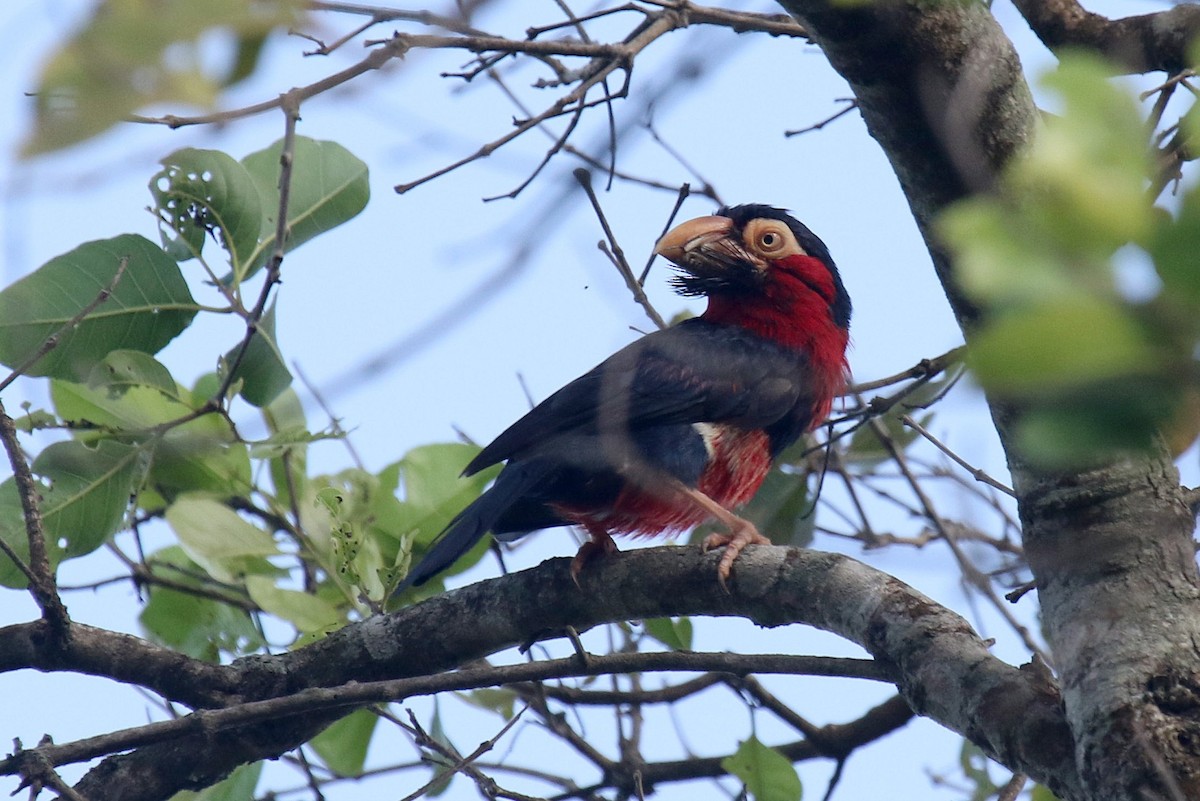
941 90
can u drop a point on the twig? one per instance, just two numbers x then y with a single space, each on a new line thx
40 573
708 188
852 104
461 764
554 150
380 14
618 256
977 473
290 103
681 196
926 368
971 573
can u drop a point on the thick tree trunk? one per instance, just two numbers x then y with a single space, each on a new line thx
942 91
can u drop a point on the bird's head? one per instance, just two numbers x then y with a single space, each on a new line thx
753 261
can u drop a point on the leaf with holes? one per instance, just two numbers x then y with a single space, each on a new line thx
203 191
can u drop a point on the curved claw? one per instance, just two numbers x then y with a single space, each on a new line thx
599 546
741 533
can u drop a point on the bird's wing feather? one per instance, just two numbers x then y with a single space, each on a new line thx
694 372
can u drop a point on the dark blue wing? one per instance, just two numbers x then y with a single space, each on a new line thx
694 372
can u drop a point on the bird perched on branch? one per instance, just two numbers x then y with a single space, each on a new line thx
680 426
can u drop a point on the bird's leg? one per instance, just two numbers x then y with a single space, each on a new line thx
600 544
741 532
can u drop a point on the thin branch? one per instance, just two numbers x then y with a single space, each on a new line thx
290 103
926 368
665 695
461 764
360 694
681 195
617 255
971 573
852 104
41 575
977 473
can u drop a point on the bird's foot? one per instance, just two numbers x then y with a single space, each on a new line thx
741 533
598 547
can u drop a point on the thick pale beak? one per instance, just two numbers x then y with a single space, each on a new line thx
686 237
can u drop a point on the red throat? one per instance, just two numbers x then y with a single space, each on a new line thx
794 310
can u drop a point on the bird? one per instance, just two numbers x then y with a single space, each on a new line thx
680 426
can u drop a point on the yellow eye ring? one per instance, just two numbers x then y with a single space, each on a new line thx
771 241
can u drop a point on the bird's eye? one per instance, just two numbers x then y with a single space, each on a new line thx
770 241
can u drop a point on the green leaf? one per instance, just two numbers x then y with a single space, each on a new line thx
261 370
1041 792
781 509
88 493
307 612
434 493
203 191
1062 344
148 307
767 774
498 700
200 455
1101 421
237 786
1002 256
343 745
974 765
12 531
1088 165
218 539
122 369
137 52
198 626
36 420
286 448
82 506
675 633
1174 248
328 187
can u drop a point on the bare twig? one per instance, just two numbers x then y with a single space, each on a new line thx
977 473
41 575
617 255
1012 788
926 368
837 115
971 574
682 195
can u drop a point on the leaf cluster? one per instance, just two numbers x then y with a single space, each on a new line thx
1089 291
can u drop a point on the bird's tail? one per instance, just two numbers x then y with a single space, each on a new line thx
472 523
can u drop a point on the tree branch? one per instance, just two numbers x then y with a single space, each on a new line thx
1158 42
942 668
